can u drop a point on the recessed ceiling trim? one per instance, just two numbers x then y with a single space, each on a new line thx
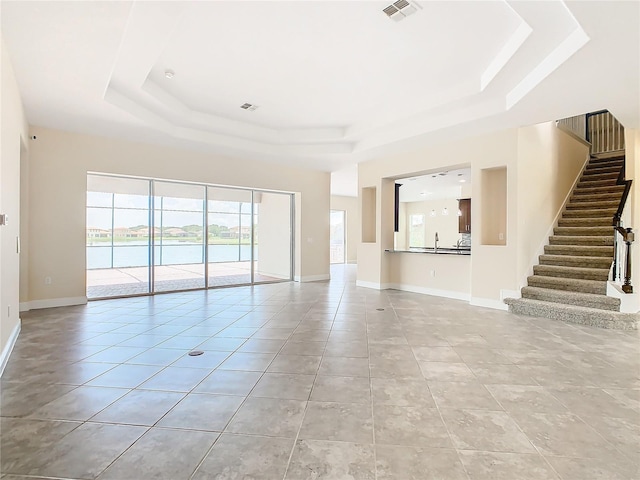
506 53
574 42
149 29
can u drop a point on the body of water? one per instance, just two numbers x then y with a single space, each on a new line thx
134 254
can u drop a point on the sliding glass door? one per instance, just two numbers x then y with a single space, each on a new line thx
150 236
229 236
179 236
117 236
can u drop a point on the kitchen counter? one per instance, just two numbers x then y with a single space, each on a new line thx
432 251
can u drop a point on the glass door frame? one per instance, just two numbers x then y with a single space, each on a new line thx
152 234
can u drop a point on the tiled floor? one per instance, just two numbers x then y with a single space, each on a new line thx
317 381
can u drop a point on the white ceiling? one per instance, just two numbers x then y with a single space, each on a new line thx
336 82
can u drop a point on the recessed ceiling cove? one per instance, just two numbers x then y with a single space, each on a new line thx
334 82
331 78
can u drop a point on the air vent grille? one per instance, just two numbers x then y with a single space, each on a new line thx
248 106
390 10
400 9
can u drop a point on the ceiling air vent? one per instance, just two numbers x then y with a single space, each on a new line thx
400 9
248 106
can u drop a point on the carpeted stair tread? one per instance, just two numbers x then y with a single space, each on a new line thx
586 222
595 197
589 190
588 182
583 231
589 213
582 261
599 170
601 302
598 240
580 250
590 205
570 284
563 271
573 314
600 176
570 281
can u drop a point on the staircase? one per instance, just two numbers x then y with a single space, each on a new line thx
570 282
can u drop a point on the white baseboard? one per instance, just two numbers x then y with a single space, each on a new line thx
510 294
52 302
312 278
374 285
436 292
8 348
488 303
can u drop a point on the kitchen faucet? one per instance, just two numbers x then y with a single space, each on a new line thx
436 243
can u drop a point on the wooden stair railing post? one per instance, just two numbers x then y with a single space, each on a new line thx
627 287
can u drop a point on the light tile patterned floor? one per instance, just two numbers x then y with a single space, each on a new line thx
317 381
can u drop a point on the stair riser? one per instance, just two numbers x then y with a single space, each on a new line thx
567 273
567 287
582 319
579 251
601 302
581 241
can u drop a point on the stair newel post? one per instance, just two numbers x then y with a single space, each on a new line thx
627 287
616 225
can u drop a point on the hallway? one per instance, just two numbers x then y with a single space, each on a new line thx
319 380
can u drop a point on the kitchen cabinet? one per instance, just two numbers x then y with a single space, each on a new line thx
464 218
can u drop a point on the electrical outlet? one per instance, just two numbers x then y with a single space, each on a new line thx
501 236
47 280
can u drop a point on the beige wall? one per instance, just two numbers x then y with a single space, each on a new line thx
490 268
541 164
350 206
59 162
445 275
549 163
13 139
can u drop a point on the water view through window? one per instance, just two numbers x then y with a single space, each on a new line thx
145 236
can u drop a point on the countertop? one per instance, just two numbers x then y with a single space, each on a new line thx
431 251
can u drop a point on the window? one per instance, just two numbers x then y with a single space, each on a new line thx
416 231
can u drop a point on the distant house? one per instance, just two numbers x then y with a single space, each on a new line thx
93 232
175 232
122 232
235 232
